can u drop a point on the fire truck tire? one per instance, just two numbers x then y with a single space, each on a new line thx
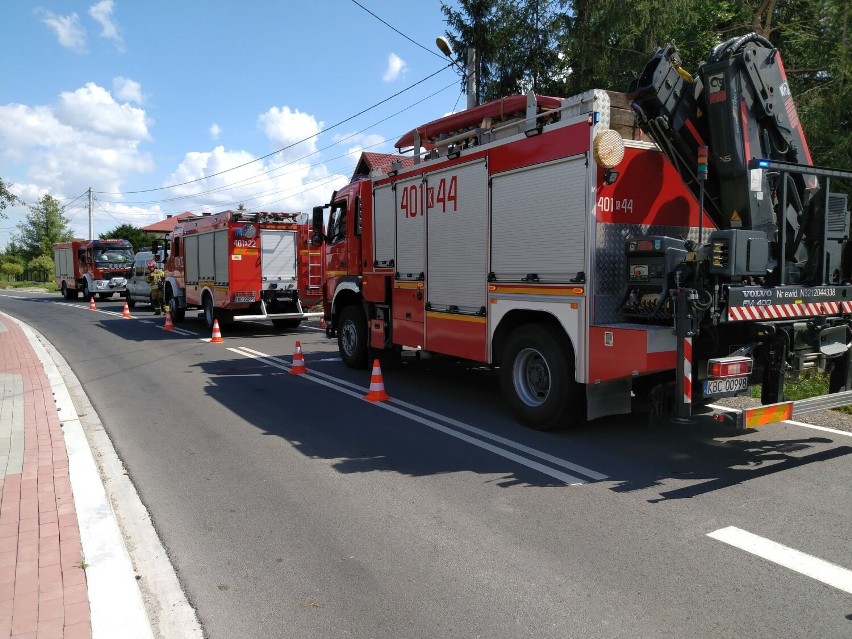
209 311
176 311
86 293
68 293
537 378
131 303
352 337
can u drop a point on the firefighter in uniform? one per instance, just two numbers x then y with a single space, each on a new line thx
156 278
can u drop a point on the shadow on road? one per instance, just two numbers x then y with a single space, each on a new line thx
358 438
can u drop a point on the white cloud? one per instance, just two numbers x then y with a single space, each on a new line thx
92 108
272 185
86 139
215 131
396 67
102 14
286 128
128 90
68 30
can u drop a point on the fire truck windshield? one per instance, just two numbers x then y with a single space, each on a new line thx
113 256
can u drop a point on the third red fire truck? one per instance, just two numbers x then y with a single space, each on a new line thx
551 238
243 266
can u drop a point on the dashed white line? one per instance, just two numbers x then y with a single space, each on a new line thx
795 560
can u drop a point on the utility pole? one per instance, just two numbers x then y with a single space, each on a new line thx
470 71
91 207
472 84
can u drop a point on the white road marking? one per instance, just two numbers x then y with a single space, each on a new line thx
834 431
406 410
810 566
822 428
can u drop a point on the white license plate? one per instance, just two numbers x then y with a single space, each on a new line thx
243 298
729 386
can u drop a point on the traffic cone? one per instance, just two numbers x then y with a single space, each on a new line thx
217 335
92 306
377 386
168 325
298 367
126 312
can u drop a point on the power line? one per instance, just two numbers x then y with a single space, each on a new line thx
272 171
289 146
392 28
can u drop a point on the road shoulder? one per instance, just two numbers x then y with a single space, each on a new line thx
148 566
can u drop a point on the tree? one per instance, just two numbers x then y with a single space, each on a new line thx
7 198
566 47
43 264
134 234
11 269
45 225
514 40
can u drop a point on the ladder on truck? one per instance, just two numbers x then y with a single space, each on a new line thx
315 270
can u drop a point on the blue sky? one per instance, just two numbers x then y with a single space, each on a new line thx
132 95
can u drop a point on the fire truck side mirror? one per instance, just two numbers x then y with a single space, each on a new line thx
316 226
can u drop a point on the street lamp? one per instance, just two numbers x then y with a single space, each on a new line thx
470 72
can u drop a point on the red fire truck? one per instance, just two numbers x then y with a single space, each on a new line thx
93 267
243 266
549 237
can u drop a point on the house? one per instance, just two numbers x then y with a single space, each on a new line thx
164 227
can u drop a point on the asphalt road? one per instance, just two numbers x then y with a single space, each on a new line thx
293 508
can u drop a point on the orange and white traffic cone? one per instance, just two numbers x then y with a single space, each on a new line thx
377 386
217 335
298 367
168 326
126 312
92 306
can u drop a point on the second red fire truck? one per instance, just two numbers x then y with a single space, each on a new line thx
92 267
549 237
243 266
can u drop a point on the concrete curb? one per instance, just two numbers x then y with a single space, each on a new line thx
134 604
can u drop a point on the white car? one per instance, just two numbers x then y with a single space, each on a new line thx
138 289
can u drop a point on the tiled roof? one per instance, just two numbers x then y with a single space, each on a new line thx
167 225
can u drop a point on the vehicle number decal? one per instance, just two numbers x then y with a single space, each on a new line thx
612 205
442 198
245 243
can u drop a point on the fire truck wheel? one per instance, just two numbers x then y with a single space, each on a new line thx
68 293
537 378
86 294
131 303
209 314
176 312
352 337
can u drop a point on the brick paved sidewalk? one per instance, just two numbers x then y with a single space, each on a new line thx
43 591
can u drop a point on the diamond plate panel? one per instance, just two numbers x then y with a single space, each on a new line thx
611 263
